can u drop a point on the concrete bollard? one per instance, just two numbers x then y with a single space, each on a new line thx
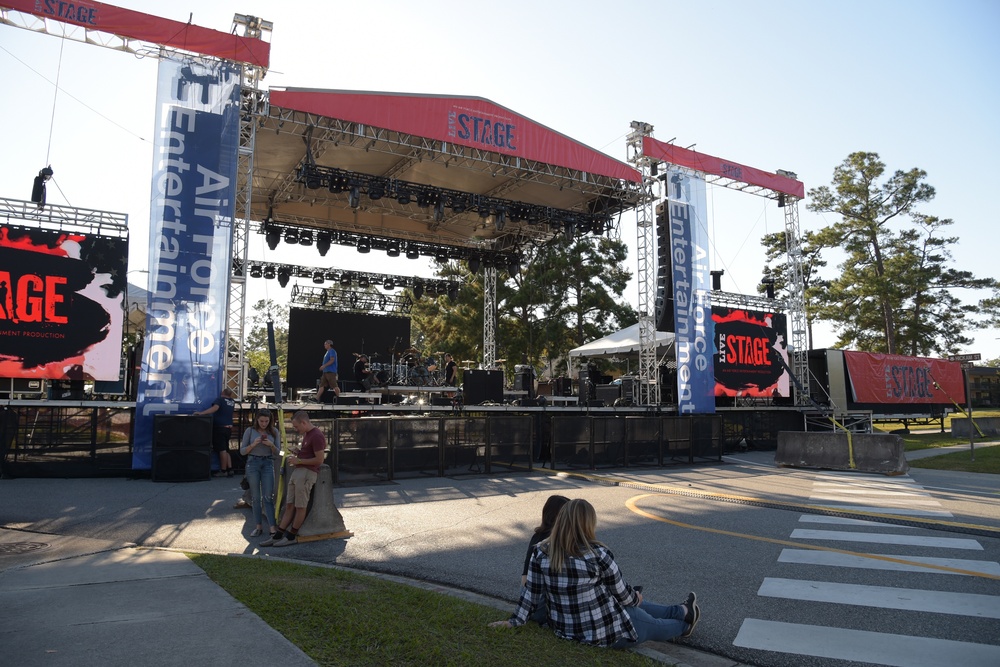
873 452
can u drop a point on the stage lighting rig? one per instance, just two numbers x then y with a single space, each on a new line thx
323 243
305 238
283 275
38 186
273 236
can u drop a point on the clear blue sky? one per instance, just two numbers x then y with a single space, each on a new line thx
790 85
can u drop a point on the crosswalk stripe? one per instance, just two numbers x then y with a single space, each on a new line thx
844 521
863 646
887 538
869 492
855 478
837 559
887 500
884 597
872 509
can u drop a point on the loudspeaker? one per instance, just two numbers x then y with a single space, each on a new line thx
28 386
481 386
182 448
608 393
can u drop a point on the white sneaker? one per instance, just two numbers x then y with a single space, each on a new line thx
285 541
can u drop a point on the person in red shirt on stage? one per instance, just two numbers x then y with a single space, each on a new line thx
305 463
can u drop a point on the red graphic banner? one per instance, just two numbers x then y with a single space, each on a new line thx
751 357
894 379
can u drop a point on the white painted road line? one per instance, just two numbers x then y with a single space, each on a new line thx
887 510
887 538
883 597
895 499
843 521
834 559
863 646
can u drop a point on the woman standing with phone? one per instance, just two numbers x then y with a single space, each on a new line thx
261 442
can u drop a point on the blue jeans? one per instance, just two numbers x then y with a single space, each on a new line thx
654 622
260 474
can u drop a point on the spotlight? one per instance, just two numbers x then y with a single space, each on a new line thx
458 204
768 284
314 180
291 236
389 285
283 276
423 200
392 250
318 277
453 293
513 265
269 272
439 212
38 186
781 200
568 231
474 263
418 290
363 281
323 241
273 237
270 216
403 196
338 183
500 220
256 271
306 238
354 197
364 245
345 280
412 251
441 256
376 188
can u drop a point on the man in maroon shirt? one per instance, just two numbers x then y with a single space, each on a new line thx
305 465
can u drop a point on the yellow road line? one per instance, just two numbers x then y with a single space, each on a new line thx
631 504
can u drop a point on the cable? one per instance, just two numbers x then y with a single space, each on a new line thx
55 98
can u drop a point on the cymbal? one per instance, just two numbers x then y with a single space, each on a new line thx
469 361
440 353
499 361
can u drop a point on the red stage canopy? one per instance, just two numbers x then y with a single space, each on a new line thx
469 121
148 28
719 167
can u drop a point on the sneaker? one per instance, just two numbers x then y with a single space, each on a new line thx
241 505
270 541
286 541
693 615
229 473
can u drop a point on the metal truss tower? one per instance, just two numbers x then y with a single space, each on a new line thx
649 388
253 104
489 316
797 302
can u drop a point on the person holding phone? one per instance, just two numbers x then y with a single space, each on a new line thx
260 445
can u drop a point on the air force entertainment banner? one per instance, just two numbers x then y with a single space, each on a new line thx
693 327
190 240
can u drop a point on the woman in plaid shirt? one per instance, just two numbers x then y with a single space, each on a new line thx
587 599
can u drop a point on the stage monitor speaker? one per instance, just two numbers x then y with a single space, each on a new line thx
28 386
480 386
182 448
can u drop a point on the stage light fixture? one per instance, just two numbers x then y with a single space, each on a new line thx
513 265
38 186
354 197
418 290
441 256
453 293
283 276
269 220
338 183
781 200
364 245
389 285
474 264
323 242
569 229
345 280
458 204
314 179
423 200
768 284
363 281
392 250
291 236
305 238
269 272
403 196
376 188
500 220
318 277
412 251
273 237
439 212
256 271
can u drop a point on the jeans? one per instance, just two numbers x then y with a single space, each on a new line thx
260 474
654 622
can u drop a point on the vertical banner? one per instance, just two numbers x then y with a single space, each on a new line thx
687 205
190 242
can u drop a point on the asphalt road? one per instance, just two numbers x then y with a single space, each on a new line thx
780 583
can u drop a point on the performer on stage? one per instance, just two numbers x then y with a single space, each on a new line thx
362 372
450 371
329 370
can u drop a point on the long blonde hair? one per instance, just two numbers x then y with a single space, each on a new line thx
572 533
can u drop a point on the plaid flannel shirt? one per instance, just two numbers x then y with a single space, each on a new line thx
585 601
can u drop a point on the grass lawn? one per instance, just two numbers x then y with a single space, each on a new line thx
347 618
987 460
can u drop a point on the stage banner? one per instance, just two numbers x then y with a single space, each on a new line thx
190 243
61 304
751 356
687 206
893 378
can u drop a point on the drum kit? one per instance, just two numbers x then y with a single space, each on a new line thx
408 367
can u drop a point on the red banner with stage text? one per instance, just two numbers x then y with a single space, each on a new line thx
895 379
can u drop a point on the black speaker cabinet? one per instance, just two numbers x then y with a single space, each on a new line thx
182 448
480 386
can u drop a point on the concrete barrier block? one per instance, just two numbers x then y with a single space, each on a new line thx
323 520
873 452
990 426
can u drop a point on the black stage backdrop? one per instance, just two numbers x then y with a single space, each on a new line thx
350 333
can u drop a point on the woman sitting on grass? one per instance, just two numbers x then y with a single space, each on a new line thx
587 599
